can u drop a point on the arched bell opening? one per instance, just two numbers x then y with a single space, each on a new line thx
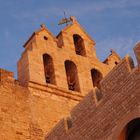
96 78
79 45
48 69
72 76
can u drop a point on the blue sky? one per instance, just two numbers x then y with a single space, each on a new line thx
111 23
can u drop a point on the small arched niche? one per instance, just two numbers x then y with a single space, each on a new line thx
48 69
131 131
96 78
79 45
72 76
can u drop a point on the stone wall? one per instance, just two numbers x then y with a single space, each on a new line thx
14 109
30 107
30 112
105 119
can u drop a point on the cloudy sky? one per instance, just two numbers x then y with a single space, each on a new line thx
111 23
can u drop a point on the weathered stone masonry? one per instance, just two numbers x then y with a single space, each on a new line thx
115 117
54 75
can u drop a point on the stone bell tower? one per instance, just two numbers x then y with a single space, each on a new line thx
54 75
67 61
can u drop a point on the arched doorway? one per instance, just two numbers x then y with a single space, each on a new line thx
79 45
48 69
131 130
72 76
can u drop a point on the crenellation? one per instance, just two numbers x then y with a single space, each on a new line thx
119 72
113 59
6 76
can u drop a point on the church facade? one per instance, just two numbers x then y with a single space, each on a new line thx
64 92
